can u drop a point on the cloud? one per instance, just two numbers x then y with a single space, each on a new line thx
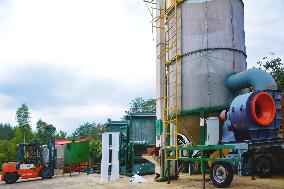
65 96
264 29
75 61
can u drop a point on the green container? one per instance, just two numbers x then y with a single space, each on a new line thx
143 128
76 152
116 126
137 133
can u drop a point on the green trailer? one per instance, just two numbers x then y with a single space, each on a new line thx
76 157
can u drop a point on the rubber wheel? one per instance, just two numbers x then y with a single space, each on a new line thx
264 167
46 173
221 174
11 178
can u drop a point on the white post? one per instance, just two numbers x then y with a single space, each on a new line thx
105 156
115 158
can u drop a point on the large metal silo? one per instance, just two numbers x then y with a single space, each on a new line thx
211 44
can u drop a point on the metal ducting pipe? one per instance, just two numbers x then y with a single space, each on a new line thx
256 78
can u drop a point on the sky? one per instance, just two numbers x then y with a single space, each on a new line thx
77 61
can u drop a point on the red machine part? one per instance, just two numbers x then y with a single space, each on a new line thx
23 173
8 168
75 167
263 109
223 116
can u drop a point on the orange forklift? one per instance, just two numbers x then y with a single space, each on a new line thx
31 162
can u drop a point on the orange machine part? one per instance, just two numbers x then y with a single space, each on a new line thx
215 154
8 168
30 173
23 173
263 109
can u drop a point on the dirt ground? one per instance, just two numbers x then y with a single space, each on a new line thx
185 181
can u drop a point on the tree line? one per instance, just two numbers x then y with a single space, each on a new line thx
10 135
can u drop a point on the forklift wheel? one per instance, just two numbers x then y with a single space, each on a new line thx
221 174
46 173
11 178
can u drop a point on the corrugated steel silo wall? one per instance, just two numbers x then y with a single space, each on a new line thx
143 129
211 40
207 26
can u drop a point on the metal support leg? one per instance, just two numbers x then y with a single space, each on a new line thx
169 171
203 175
252 165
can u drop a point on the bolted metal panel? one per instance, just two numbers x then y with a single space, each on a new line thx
143 128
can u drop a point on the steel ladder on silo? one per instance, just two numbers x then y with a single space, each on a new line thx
171 55
170 110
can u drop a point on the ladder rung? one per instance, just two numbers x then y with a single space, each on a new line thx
156 18
167 97
171 18
175 58
172 133
166 49
157 27
168 121
173 45
164 52
172 84
171 39
171 108
168 10
170 61
172 116
169 29
173 71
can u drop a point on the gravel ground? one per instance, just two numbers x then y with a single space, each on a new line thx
185 181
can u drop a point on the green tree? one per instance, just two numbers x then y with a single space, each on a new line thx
23 115
149 106
275 67
139 105
23 120
44 131
85 131
6 131
96 150
96 143
61 135
8 151
136 105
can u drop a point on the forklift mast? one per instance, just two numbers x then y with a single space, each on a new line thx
52 154
21 149
39 148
